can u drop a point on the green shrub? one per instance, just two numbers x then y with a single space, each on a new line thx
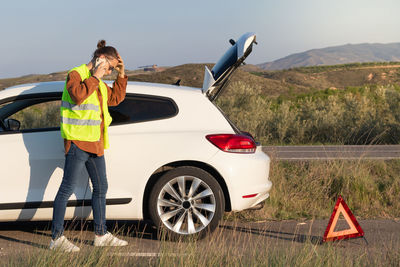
356 115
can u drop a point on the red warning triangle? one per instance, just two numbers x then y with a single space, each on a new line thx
354 230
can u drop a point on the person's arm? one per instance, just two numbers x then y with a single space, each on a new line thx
80 90
117 94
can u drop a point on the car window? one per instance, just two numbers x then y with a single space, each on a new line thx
2 127
136 108
38 116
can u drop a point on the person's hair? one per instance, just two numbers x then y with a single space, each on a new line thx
102 49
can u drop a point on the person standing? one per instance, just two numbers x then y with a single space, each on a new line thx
84 127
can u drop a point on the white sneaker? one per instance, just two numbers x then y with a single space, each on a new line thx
108 240
63 244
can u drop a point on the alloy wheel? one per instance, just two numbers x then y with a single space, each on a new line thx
186 205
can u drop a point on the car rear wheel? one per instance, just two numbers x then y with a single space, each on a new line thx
186 202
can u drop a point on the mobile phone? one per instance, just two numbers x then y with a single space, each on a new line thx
99 61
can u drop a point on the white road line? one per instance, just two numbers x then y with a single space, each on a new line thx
146 254
344 152
335 158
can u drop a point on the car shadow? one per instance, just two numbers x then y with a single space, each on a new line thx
294 237
46 163
134 229
25 227
33 244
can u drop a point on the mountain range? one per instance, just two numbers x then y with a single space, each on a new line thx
349 53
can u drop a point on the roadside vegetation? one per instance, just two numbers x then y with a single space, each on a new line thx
215 250
353 116
309 190
260 253
348 66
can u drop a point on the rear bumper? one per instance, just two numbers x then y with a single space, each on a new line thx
246 176
257 206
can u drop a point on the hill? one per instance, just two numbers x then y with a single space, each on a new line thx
33 78
337 55
337 76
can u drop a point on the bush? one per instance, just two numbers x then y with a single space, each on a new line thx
364 115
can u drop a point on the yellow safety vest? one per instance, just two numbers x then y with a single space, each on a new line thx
82 122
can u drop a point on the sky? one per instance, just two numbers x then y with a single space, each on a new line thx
45 36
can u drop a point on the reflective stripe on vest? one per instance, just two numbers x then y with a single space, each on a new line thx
68 105
82 122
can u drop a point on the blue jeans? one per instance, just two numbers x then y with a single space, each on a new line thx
75 160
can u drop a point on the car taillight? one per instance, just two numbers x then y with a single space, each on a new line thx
233 143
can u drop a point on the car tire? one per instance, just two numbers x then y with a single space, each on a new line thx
186 202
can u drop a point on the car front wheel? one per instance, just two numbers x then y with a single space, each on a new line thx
186 201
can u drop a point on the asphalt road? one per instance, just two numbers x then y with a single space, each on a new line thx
333 152
33 237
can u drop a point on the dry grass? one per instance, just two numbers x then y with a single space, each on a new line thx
364 115
223 248
310 189
338 76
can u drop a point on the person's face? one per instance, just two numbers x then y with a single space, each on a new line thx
112 63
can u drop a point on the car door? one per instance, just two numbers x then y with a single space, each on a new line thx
32 158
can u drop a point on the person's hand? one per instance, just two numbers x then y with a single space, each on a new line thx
100 70
120 67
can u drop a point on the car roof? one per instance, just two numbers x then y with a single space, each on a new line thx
132 87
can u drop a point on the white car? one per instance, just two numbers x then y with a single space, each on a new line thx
174 157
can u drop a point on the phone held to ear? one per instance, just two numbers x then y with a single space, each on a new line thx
99 61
